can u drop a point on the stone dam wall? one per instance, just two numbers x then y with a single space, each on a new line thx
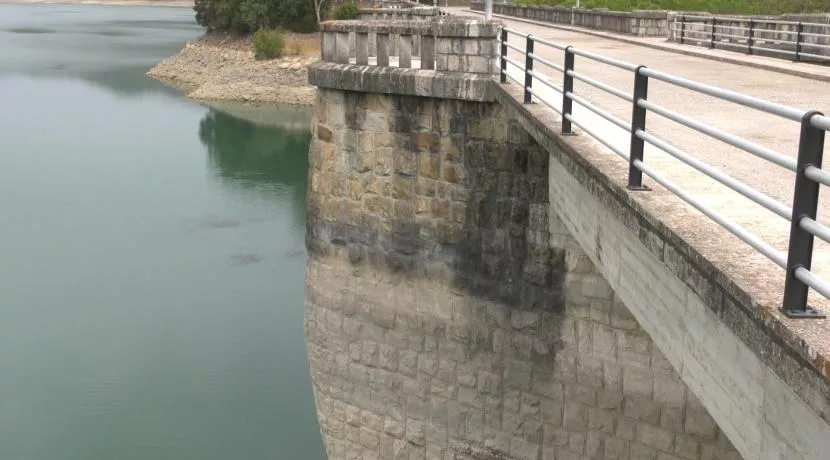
449 315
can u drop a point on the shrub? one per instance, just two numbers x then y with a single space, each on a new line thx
268 44
347 11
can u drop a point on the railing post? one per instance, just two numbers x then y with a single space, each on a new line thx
798 39
712 40
682 28
503 56
638 122
805 204
567 87
528 69
751 40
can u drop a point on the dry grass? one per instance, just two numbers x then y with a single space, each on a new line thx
295 44
302 44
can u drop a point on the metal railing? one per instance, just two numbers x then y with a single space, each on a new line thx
804 226
801 41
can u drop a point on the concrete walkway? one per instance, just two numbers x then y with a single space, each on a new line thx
770 131
799 69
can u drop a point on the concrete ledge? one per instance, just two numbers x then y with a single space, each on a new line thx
754 370
401 81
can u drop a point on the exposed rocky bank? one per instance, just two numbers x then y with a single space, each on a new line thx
221 67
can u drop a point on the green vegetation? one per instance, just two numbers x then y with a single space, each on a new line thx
712 6
347 11
246 16
268 44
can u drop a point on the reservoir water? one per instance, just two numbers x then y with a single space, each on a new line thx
151 252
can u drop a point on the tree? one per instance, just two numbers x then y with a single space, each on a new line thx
246 16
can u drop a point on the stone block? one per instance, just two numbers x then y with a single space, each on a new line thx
393 428
517 375
641 452
616 448
575 417
415 433
657 438
576 443
686 447
581 394
637 382
671 418
601 420
453 173
429 165
378 205
370 420
408 362
699 423
489 382
641 408
370 439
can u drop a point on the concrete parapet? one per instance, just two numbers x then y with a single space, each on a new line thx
641 22
446 44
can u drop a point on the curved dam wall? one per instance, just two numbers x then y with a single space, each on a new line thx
449 315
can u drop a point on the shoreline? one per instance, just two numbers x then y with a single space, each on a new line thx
220 67
159 3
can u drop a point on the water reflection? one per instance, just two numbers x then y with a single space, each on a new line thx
258 156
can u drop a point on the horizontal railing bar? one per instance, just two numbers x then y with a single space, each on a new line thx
816 56
773 50
597 84
550 43
727 26
742 37
605 60
514 47
542 78
816 228
512 62
626 125
516 32
806 277
819 45
768 251
821 122
544 101
758 22
736 45
611 147
784 211
814 34
516 80
727 95
544 61
748 146
776 31
818 175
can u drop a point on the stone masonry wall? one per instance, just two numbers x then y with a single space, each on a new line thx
449 317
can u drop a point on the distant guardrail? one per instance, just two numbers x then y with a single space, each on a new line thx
804 226
800 41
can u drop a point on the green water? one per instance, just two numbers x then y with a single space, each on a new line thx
151 253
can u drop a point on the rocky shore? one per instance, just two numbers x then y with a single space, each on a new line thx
221 67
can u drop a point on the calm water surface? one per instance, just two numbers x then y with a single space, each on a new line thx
151 253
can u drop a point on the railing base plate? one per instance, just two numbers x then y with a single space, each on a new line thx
642 188
809 312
